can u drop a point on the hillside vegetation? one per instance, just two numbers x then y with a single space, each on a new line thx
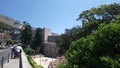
4 26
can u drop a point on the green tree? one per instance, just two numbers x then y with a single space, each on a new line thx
38 40
26 35
103 14
9 42
98 50
65 39
91 19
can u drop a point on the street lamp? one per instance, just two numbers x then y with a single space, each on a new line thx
40 59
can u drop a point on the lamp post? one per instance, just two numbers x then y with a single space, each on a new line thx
40 59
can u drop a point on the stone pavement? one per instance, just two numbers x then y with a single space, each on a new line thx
15 63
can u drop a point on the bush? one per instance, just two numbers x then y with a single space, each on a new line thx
62 65
29 50
33 63
9 42
101 49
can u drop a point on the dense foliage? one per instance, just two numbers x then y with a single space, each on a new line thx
65 39
96 44
29 51
103 14
4 26
91 19
31 41
26 35
9 42
37 41
101 49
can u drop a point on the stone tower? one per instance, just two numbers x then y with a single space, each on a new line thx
46 33
49 45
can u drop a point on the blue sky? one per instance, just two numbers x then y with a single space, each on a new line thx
57 15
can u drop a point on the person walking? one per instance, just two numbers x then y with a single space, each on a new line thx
17 51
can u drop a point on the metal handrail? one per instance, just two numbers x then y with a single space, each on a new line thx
4 56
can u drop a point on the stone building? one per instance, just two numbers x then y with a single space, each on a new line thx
46 33
50 46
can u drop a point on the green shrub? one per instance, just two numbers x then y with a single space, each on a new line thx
33 63
4 26
101 49
62 65
9 42
29 50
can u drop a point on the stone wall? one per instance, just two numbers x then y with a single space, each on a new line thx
50 49
52 38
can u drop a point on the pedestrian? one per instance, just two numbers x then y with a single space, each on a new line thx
17 51
13 50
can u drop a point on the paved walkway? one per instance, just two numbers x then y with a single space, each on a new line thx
14 63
